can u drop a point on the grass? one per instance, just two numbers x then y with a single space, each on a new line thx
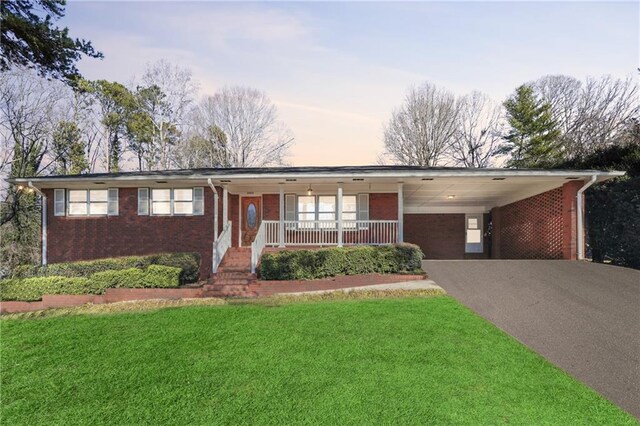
410 360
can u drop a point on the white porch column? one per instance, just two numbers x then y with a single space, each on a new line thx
225 206
281 218
400 214
216 203
339 214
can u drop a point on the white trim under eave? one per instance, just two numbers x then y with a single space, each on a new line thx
325 175
445 209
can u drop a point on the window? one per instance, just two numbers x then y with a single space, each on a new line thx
167 202
324 208
327 211
84 202
183 201
349 211
306 210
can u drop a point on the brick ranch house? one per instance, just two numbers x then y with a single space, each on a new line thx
451 213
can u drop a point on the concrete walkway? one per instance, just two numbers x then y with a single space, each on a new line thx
406 285
582 316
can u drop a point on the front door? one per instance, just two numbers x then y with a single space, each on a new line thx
251 218
473 233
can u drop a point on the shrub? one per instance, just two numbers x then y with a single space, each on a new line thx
155 276
29 289
312 264
189 263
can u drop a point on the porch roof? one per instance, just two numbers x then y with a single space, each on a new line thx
425 189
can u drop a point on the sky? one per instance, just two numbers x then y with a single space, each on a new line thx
337 70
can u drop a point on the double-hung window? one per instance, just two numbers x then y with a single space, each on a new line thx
327 211
321 211
171 201
349 211
89 202
306 211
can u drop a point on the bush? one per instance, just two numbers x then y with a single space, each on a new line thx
313 264
29 289
155 276
189 263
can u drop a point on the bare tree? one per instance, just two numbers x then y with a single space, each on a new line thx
421 130
592 114
236 127
479 131
170 94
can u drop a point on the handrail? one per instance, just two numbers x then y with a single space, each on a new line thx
257 246
220 247
325 232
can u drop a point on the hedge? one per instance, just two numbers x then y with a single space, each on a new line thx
313 264
33 288
189 263
155 276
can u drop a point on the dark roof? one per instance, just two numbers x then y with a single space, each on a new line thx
296 170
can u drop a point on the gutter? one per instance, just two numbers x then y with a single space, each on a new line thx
215 209
580 201
44 222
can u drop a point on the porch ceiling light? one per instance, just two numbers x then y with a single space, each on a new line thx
451 197
309 190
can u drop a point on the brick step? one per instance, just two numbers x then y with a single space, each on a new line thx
234 270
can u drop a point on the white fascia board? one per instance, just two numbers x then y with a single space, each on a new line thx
396 175
445 209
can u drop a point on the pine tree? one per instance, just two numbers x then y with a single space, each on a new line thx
69 150
533 138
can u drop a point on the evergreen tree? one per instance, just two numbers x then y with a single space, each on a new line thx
533 138
30 38
68 149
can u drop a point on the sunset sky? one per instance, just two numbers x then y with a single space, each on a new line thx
337 70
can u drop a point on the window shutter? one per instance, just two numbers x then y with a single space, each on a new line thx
290 209
112 202
363 206
59 202
143 201
198 200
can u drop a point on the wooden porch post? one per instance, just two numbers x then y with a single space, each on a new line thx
400 213
282 213
339 214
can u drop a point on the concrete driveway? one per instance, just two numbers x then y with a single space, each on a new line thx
583 317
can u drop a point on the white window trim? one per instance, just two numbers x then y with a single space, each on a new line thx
317 211
87 203
172 202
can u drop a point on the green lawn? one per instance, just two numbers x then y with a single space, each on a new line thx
412 360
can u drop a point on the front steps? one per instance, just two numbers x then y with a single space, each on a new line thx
234 277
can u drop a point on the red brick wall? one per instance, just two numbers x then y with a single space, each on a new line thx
538 227
383 206
87 238
441 236
271 206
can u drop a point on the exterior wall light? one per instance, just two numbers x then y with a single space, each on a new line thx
451 197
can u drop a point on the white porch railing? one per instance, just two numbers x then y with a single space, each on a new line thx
220 246
257 246
325 232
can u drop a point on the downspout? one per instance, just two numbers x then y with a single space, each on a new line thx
44 222
215 209
580 202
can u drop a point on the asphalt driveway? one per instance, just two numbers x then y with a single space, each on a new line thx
583 317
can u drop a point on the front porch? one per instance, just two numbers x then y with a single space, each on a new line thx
305 214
